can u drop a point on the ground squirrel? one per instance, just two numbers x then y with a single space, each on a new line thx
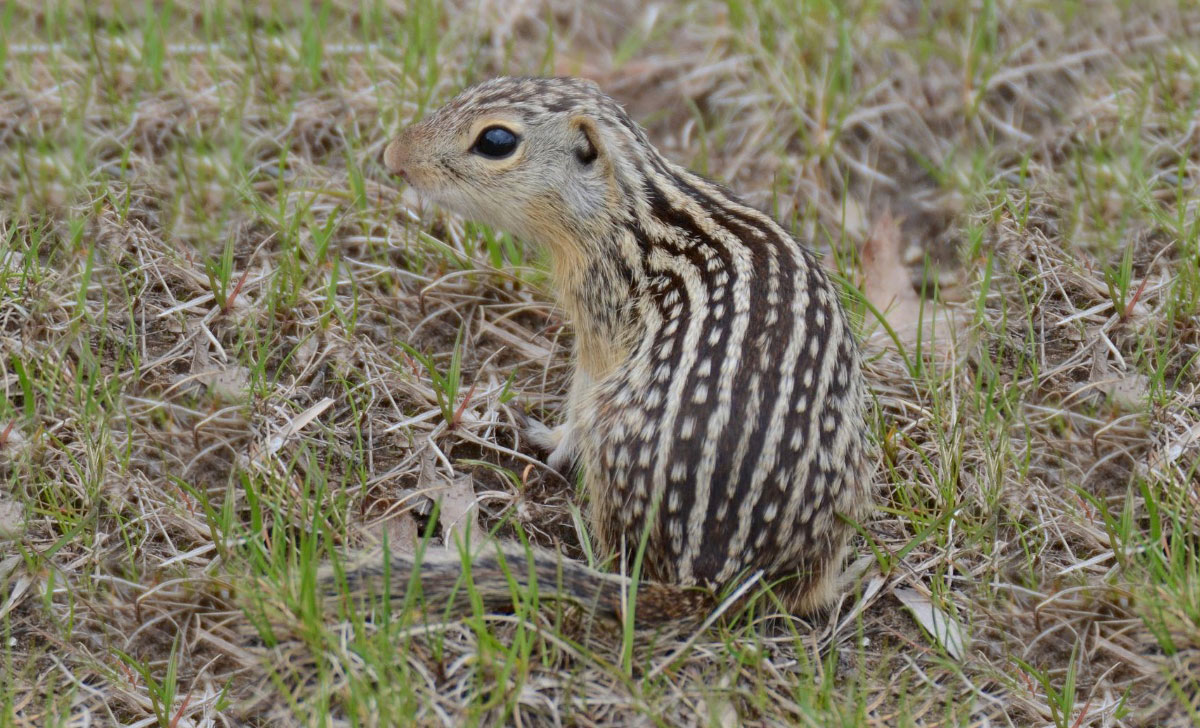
717 398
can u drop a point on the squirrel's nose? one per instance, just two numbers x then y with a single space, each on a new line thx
394 158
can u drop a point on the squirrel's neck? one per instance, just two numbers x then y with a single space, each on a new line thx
598 284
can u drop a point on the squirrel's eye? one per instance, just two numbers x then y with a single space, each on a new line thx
495 142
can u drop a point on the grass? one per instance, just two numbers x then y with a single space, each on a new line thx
233 351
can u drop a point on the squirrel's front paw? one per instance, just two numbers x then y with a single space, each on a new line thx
543 437
555 440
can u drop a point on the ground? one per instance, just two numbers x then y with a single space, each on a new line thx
232 349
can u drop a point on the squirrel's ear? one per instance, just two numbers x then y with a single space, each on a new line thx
588 147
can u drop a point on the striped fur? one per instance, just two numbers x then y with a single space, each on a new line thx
718 402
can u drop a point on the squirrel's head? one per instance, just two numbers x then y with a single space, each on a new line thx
538 157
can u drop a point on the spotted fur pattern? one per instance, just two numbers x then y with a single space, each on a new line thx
718 401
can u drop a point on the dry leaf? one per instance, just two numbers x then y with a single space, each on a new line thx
935 621
259 451
1163 459
870 589
12 518
11 260
401 529
298 423
1127 393
9 565
12 441
885 277
227 383
458 512
305 352
20 585
718 708
887 286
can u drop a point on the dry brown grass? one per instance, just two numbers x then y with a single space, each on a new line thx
205 279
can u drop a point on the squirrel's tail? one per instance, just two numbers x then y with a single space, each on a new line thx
501 576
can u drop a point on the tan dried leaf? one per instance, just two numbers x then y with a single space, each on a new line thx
935 621
885 277
12 518
1128 393
402 532
12 441
458 514
228 384
887 285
